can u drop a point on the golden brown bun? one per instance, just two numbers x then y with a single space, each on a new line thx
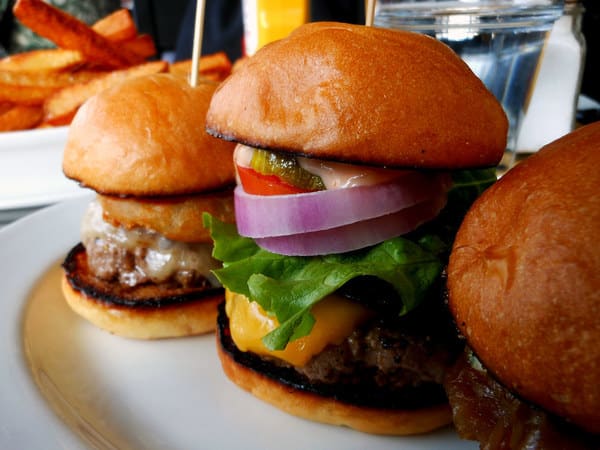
188 320
524 278
186 314
177 218
145 137
361 94
327 410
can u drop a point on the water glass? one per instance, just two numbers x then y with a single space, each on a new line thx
500 40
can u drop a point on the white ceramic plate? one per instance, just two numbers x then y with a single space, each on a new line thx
66 384
30 169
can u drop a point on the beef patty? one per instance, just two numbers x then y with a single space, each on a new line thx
397 362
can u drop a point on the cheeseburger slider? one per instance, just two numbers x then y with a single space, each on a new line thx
142 269
353 149
524 288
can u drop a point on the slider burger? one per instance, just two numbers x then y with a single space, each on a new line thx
142 269
354 145
524 288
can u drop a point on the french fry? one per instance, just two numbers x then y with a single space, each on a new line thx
68 32
20 117
216 67
32 88
60 107
26 95
117 27
59 79
46 87
213 76
215 62
5 106
56 59
142 45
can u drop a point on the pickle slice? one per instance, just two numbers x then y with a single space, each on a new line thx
287 168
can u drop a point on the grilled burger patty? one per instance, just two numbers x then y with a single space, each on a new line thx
141 296
140 265
139 256
392 362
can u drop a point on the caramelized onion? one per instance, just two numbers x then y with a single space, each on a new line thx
484 410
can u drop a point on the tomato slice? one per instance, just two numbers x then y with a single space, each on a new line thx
257 183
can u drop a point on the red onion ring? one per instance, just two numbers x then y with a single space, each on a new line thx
356 235
261 216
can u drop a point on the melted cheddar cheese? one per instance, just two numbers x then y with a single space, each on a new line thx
335 319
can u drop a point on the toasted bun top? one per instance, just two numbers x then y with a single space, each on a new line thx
146 137
524 278
361 94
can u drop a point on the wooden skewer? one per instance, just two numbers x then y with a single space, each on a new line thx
197 45
369 12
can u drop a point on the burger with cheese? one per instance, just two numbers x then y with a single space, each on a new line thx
354 160
524 288
142 269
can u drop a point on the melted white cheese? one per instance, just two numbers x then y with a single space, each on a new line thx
163 257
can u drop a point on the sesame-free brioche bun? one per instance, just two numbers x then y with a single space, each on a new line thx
318 93
393 422
143 138
524 278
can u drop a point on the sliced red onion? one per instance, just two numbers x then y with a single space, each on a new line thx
261 216
357 235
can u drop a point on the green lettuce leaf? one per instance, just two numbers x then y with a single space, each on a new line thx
288 286
467 186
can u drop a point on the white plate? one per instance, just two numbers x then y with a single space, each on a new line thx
30 168
66 384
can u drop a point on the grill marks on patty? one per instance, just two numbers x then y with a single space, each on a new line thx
386 355
391 361
361 390
391 351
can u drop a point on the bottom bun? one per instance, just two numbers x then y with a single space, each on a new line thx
164 314
308 405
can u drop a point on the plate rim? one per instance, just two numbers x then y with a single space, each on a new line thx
30 168
24 408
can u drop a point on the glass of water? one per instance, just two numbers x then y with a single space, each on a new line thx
500 40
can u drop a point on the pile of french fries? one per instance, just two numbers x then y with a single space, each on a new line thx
46 87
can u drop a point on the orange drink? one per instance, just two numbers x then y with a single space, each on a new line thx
268 20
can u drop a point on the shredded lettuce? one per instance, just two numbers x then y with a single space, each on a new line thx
288 286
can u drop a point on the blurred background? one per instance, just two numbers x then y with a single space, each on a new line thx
591 30
30 163
171 25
